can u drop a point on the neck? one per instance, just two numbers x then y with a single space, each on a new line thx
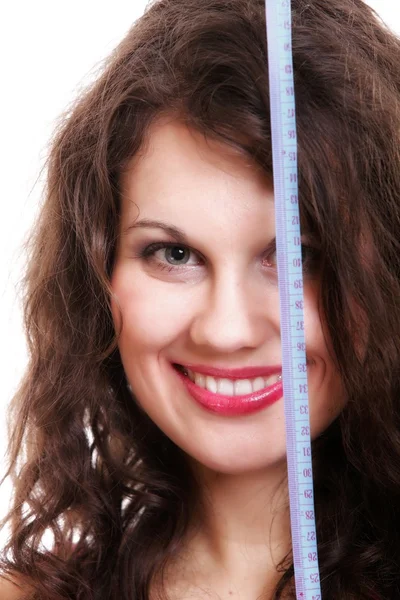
242 533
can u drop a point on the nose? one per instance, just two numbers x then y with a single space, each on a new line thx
236 312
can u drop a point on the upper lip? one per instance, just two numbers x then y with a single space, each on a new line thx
239 373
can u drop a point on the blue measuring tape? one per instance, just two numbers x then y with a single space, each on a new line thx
290 276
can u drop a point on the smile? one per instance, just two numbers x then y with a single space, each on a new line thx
230 387
231 397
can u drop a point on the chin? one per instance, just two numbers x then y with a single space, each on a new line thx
238 465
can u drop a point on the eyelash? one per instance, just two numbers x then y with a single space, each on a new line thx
147 253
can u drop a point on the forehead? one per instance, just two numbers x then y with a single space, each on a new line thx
178 167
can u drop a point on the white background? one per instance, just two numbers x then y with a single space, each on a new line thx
48 51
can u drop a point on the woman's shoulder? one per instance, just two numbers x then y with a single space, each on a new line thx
12 589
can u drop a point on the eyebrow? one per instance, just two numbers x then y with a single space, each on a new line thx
173 231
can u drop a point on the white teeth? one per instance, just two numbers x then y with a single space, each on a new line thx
225 387
228 387
211 384
197 378
243 386
258 384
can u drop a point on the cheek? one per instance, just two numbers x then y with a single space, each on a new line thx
322 370
151 316
326 393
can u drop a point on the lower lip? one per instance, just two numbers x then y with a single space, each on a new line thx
232 405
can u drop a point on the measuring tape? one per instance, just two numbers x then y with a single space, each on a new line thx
290 276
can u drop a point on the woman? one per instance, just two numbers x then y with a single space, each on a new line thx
152 276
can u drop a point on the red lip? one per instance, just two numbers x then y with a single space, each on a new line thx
242 373
232 405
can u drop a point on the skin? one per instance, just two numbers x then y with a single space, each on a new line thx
14 591
221 308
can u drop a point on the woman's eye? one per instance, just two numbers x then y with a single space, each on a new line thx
309 257
170 255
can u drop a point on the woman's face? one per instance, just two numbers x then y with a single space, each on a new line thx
211 300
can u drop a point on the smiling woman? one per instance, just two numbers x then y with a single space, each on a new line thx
219 313
149 433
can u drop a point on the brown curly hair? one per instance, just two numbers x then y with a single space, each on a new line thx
88 465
